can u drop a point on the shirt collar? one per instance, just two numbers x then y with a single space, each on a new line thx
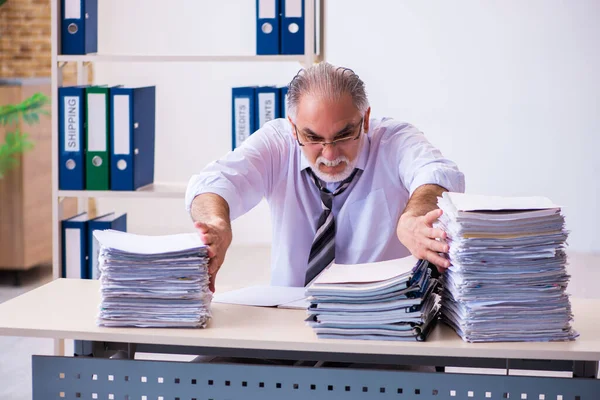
363 156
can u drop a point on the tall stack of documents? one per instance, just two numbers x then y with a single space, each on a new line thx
153 281
507 280
389 300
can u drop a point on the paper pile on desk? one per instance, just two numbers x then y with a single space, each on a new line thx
507 280
153 281
389 300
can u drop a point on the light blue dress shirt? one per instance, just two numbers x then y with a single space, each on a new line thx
395 159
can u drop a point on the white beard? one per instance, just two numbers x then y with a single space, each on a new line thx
331 178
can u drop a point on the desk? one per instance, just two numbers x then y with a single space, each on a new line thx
66 309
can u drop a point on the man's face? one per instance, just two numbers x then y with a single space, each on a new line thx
320 121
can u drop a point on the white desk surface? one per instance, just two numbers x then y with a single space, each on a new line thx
67 309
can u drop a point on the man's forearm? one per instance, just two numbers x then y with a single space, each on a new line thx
423 200
208 206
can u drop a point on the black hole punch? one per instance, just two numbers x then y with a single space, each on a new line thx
211 382
244 383
400 391
176 380
278 385
193 381
434 392
417 391
78 395
313 387
365 389
227 383
330 387
382 390
296 386
347 388
126 378
577 397
261 384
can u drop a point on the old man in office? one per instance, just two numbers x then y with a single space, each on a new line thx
339 184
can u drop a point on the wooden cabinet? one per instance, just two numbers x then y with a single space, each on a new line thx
26 191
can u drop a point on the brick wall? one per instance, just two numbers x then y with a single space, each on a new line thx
25 42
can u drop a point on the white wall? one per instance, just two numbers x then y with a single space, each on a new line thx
509 89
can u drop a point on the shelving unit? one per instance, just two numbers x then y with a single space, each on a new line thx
156 190
314 16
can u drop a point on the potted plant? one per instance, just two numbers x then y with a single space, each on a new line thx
17 142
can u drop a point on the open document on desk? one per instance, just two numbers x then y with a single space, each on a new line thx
265 296
388 300
508 278
153 281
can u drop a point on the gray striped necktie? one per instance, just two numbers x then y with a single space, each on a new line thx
322 251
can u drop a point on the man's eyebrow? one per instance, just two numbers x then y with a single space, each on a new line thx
349 126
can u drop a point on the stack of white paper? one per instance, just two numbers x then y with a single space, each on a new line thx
153 281
507 280
389 300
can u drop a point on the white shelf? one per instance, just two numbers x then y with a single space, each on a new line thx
179 58
155 191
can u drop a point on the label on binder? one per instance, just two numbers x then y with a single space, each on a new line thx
73 253
266 108
266 9
242 120
96 122
121 124
71 109
293 8
72 9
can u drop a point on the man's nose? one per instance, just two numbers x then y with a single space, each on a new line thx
330 152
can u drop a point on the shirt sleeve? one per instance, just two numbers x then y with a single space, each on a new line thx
420 163
244 176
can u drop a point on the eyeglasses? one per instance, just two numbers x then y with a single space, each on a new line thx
341 140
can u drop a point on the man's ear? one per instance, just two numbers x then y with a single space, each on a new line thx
366 120
292 124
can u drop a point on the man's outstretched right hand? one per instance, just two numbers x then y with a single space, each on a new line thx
216 234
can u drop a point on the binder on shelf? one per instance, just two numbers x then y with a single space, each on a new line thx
71 137
292 27
132 137
267 27
283 102
74 247
243 114
267 105
117 222
79 26
97 170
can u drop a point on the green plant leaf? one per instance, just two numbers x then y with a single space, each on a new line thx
15 144
10 139
34 105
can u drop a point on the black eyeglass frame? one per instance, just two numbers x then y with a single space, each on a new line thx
333 142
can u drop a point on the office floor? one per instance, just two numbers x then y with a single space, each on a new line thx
15 360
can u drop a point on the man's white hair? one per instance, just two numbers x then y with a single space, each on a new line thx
328 82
